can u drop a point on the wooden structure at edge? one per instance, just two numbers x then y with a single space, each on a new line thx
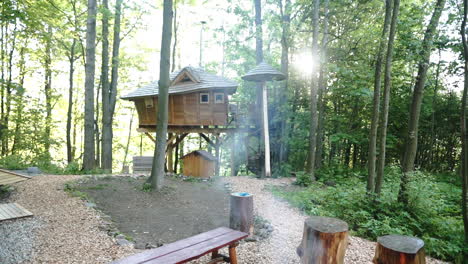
199 163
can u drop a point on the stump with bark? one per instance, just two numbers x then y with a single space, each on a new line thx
241 215
324 241
399 249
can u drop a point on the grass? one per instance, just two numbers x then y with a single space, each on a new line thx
433 214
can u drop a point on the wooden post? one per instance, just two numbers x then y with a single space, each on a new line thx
399 249
266 131
170 147
324 241
241 215
232 254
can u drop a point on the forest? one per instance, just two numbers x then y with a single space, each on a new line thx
374 106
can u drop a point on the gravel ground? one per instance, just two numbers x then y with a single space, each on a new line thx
68 231
17 236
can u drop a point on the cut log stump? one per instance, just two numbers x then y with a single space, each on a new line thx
393 249
324 241
241 216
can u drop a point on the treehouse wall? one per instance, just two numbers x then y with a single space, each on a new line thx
186 110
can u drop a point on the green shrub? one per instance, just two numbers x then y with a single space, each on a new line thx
303 178
13 162
433 214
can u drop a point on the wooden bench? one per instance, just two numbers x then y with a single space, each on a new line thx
142 163
192 248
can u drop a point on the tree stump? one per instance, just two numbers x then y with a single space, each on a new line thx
241 216
324 241
399 249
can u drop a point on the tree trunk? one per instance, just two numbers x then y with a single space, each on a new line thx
259 89
89 154
170 154
386 99
19 102
412 137
324 241
111 94
128 140
71 59
313 93
105 86
399 249
321 90
174 45
464 134
376 102
283 96
157 171
48 90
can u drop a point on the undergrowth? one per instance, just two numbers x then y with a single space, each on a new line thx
434 212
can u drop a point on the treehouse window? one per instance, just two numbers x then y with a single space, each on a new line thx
204 98
149 102
219 98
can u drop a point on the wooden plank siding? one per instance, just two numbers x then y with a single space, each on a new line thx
186 110
7 177
12 211
197 166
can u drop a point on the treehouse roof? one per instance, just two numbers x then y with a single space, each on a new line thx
264 72
188 79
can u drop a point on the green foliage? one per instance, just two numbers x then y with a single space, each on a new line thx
5 191
146 187
303 179
13 162
433 214
72 190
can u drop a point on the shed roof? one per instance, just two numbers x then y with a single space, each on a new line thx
199 79
205 154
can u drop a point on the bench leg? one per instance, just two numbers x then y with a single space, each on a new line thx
232 254
214 254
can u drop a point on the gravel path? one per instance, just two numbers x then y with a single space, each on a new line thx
288 223
68 231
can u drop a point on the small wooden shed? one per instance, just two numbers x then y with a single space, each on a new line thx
199 163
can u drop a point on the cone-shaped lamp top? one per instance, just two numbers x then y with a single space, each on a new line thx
262 73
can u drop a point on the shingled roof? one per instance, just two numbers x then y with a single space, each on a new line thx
205 154
188 79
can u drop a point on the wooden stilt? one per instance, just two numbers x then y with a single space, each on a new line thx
232 254
170 155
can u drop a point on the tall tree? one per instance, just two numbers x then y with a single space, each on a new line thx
88 155
323 78
109 94
157 170
48 89
285 43
412 136
71 58
386 97
259 89
314 91
105 82
376 102
463 123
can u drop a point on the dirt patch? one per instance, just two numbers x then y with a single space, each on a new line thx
182 209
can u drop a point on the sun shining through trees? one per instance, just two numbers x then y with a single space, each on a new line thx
305 63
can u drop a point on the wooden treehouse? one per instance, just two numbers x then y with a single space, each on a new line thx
198 103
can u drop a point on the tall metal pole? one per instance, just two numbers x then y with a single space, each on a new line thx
201 42
266 132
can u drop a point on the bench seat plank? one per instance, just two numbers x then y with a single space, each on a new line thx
187 249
